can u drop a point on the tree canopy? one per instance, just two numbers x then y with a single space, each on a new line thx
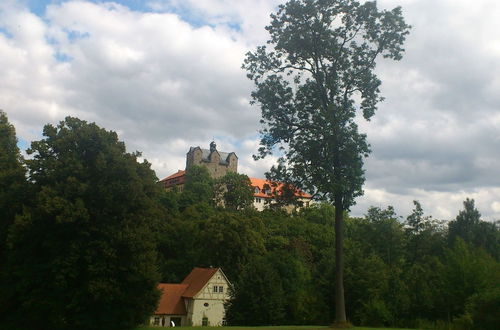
82 256
13 183
234 191
311 79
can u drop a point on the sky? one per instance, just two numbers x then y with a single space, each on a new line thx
166 75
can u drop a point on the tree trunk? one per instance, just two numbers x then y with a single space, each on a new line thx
340 317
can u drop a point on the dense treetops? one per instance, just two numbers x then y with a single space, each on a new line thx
95 235
80 254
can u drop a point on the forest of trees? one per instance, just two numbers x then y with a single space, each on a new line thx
87 232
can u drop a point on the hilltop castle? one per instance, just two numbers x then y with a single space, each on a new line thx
220 163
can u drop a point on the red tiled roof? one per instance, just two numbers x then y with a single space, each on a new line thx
175 175
197 279
261 183
171 299
174 179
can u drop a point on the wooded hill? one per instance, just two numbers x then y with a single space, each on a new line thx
86 233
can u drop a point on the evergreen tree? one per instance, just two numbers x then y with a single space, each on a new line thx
469 227
82 256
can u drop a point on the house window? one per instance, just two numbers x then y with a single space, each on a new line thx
221 289
204 321
156 321
258 200
257 190
215 288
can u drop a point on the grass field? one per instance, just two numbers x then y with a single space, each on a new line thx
284 327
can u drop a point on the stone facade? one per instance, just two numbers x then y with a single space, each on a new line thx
217 162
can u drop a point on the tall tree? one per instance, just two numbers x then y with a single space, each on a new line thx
469 226
81 256
12 179
318 72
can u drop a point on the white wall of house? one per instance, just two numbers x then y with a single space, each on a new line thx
261 203
209 302
164 320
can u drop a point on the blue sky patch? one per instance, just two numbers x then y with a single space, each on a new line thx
38 6
6 33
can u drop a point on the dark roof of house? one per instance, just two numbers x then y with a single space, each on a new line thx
171 299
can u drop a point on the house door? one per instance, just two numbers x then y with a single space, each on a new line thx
176 321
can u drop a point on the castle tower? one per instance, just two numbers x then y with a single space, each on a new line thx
217 162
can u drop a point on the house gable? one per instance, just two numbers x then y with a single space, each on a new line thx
215 288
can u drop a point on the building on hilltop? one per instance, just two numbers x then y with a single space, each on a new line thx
219 164
265 193
197 301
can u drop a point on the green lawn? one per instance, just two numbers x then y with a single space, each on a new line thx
283 327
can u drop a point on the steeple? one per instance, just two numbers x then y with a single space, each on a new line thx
213 146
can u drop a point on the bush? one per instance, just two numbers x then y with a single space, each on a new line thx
483 308
375 313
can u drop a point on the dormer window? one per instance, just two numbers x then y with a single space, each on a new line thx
257 190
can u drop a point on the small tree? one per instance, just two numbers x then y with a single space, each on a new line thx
82 256
318 72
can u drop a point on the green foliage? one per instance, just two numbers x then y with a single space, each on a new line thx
83 255
234 191
198 187
375 313
483 308
469 227
467 271
258 298
318 70
13 183
424 235
229 240
328 49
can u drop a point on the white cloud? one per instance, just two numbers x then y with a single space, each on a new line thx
171 79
